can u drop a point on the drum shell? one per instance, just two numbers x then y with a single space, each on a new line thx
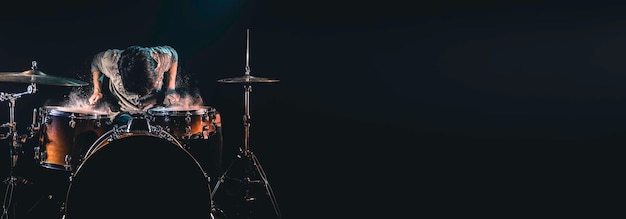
186 123
66 133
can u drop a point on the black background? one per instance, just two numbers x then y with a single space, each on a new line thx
455 107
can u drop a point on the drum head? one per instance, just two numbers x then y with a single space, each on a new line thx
181 111
138 176
77 112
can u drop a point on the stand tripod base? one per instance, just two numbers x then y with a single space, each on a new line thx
7 206
34 192
243 190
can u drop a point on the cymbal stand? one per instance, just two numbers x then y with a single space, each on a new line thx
252 172
15 146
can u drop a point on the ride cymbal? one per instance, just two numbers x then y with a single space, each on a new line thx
38 77
247 79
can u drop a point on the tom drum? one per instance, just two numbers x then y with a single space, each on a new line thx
65 133
197 122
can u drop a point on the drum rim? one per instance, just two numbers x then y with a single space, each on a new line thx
195 110
59 111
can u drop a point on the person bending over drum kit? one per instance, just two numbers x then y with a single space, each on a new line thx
133 79
137 79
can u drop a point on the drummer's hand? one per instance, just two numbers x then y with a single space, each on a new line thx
171 99
95 97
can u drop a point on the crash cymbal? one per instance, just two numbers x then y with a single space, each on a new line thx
247 79
38 77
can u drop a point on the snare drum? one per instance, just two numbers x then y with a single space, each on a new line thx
198 122
65 134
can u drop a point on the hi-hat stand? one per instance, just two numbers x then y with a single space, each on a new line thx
245 176
15 147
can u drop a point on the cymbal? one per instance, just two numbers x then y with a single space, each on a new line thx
38 77
247 79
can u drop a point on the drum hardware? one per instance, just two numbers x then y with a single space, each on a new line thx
250 173
139 123
142 124
34 126
14 148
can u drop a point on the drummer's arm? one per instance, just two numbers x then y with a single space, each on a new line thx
171 85
171 97
97 88
96 82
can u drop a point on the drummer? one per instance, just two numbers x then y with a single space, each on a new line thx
134 79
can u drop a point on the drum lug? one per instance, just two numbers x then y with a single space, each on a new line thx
209 115
68 160
206 132
44 156
187 122
164 135
116 133
188 118
36 149
98 124
72 123
62 207
157 129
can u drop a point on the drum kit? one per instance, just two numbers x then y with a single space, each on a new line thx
99 159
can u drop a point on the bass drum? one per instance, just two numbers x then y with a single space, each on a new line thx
130 173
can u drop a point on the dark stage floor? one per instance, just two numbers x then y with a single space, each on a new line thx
138 176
